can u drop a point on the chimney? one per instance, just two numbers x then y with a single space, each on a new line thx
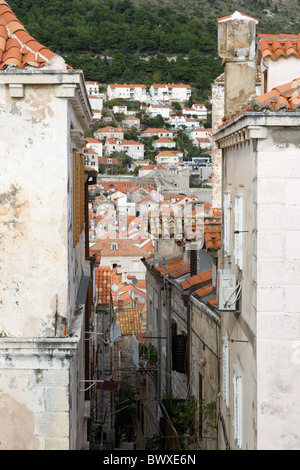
236 46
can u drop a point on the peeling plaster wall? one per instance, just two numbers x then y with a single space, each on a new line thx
41 365
33 212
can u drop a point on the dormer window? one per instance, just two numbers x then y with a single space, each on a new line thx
114 246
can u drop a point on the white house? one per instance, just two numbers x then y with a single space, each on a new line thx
159 132
168 158
96 103
198 110
201 137
132 148
170 92
109 133
181 122
95 145
91 158
131 121
125 91
158 110
163 142
92 88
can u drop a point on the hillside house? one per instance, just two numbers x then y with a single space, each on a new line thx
183 122
164 143
131 121
132 148
199 111
158 110
124 91
109 133
95 145
92 88
91 158
157 132
170 92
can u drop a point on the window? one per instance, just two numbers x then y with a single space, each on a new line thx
237 404
114 247
225 359
226 210
238 227
78 195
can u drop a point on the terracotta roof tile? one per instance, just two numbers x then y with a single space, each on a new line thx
103 285
204 291
129 320
284 97
276 46
212 235
201 279
17 47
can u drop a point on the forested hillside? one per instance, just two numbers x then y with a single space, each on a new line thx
145 41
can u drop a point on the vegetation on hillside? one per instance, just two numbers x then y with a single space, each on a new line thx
143 41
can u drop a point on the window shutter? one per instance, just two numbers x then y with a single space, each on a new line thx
181 353
238 226
225 359
237 405
82 193
76 205
226 235
78 196
174 344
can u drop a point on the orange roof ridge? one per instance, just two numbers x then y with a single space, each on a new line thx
18 48
276 46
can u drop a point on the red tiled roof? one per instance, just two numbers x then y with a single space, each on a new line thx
201 279
124 85
284 97
212 235
129 320
103 285
204 290
17 47
174 268
279 45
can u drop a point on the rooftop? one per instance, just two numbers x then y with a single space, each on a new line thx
280 45
20 50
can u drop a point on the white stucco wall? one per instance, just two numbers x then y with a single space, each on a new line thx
266 333
281 71
278 306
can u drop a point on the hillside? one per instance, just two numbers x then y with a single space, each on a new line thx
146 41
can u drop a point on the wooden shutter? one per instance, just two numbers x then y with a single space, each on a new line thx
174 344
181 353
78 196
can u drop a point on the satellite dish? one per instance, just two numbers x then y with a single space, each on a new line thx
114 288
134 281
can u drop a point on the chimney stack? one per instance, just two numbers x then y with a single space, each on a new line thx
236 46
